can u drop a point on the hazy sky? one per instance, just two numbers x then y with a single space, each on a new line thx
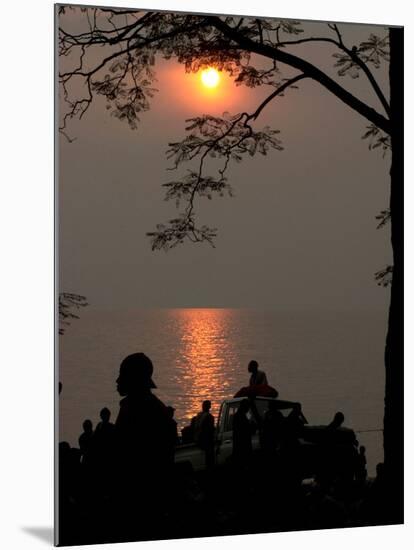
300 232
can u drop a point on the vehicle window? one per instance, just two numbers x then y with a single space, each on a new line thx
262 407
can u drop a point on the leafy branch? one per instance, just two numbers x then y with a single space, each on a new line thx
67 303
377 139
384 217
383 277
124 74
228 138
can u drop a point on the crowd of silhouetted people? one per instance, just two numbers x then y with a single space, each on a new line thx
122 482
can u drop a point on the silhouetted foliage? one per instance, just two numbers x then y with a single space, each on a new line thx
377 139
384 276
69 302
384 217
125 76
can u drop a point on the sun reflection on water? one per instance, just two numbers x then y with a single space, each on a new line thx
207 360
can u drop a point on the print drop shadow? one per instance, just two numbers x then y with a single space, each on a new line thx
44 534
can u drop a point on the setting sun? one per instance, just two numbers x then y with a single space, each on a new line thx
210 77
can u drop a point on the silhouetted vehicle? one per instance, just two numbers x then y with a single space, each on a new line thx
317 449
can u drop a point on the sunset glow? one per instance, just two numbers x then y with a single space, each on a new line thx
210 77
208 359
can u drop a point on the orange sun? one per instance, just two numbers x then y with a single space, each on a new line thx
210 77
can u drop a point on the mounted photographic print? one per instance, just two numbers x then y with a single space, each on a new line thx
229 275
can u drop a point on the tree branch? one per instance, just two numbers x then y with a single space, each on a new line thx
355 57
304 40
352 54
311 71
277 92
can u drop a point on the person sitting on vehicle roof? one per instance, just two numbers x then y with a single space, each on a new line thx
258 384
257 376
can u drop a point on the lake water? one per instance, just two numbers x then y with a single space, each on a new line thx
329 361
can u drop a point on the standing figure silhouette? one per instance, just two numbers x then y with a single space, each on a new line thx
143 443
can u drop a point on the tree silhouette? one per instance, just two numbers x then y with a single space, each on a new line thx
130 40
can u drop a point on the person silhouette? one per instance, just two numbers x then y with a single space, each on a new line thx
104 431
272 430
361 465
256 376
204 432
242 436
337 421
172 432
143 446
86 438
104 442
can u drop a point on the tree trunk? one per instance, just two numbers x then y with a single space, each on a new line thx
394 349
